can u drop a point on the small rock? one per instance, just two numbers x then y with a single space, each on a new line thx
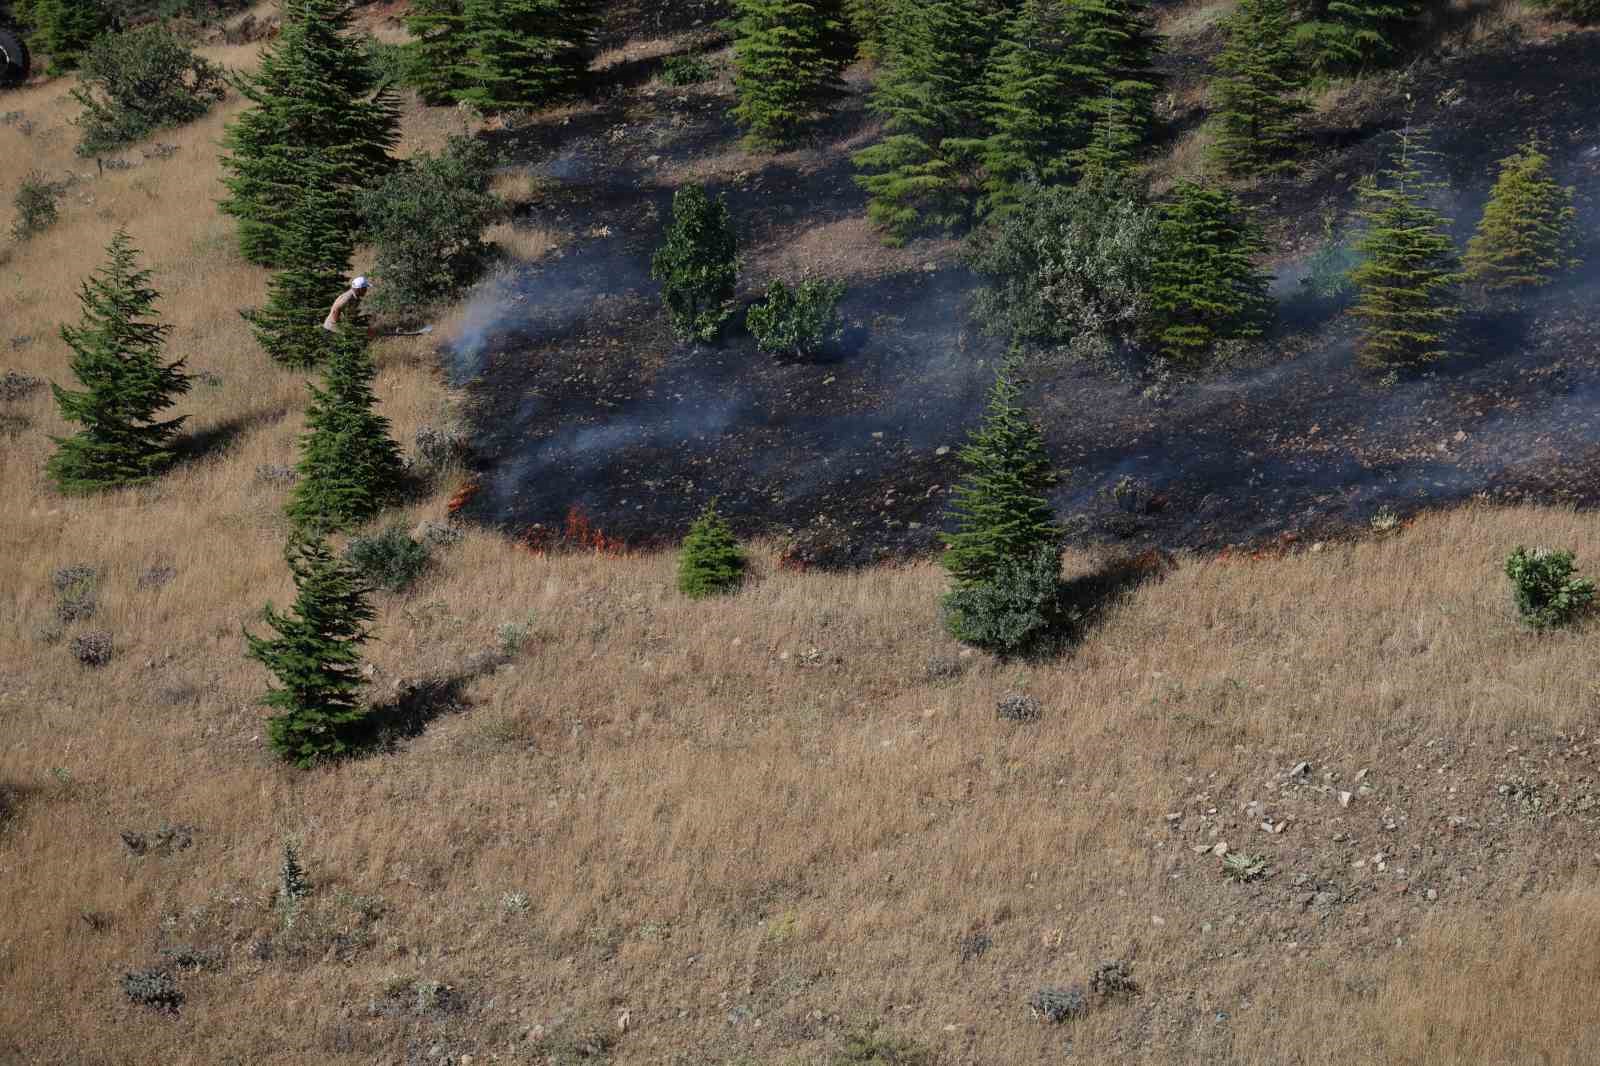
622 1021
1174 816
942 450
1156 919
1325 898
1345 798
1300 768
1220 848
1433 894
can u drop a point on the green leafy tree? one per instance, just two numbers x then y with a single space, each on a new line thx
787 55
1528 232
66 28
1546 591
1005 532
1258 109
315 656
437 52
1407 286
711 563
798 321
698 264
1342 36
935 104
316 100
1204 285
315 253
524 54
1113 55
134 83
350 466
426 220
116 356
1036 110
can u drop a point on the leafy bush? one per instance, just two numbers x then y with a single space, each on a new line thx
1058 1005
1546 593
1576 10
685 70
798 321
1114 978
36 207
1014 610
427 219
870 1046
93 648
1015 707
697 264
1328 269
390 560
1068 263
711 562
132 84
152 988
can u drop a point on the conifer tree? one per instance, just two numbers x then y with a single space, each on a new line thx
316 97
1119 128
315 656
116 356
438 49
787 55
1204 285
1255 98
1035 111
698 264
1113 55
349 464
1406 287
524 54
315 257
934 101
711 563
1349 35
1004 557
65 29
1528 231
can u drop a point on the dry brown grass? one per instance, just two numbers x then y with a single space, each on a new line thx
523 243
757 803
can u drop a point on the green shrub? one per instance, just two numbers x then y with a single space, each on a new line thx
685 70
1576 10
36 207
697 264
1547 594
426 221
1328 269
711 562
389 560
1014 610
869 1045
132 84
798 321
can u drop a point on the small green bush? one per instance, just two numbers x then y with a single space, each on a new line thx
685 70
1576 10
869 1045
1012 612
132 84
711 562
1328 269
697 264
798 321
36 207
1547 594
390 560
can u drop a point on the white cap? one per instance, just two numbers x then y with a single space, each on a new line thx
359 283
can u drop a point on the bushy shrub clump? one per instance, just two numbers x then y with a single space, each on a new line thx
134 83
798 321
390 560
679 71
93 648
152 988
698 264
36 207
711 562
1576 10
1546 592
1012 611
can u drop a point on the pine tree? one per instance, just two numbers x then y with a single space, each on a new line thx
66 27
1258 111
1528 231
869 24
1119 128
934 102
1341 36
1204 285
787 55
316 97
711 562
315 656
1004 558
1406 287
1113 55
315 256
524 54
116 356
438 49
1035 112
349 464
697 264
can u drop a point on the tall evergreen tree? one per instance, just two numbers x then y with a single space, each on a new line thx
1036 112
524 54
1119 128
116 356
1113 58
869 25
65 29
315 656
1528 232
1406 287
1256 102
315 257
349 464
316 96
934 102
1204 285
1341 36
438 49
787 55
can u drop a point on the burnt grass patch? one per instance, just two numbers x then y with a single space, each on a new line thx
583 403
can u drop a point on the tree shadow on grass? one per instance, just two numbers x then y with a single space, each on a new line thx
1088 598
415 704
216 440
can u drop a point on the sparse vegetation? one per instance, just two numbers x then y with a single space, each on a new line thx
390 560
1547 593
800 321
36 207
710 563
135 83
1057 1005
680 71
698 264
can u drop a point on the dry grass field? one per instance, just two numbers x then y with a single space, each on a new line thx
737 832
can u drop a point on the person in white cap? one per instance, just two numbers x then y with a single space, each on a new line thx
351 296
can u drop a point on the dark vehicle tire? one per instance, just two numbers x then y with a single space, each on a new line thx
13 60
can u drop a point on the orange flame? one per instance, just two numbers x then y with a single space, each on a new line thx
463 496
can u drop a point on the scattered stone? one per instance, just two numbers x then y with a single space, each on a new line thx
1325 898
942 450
1433 894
